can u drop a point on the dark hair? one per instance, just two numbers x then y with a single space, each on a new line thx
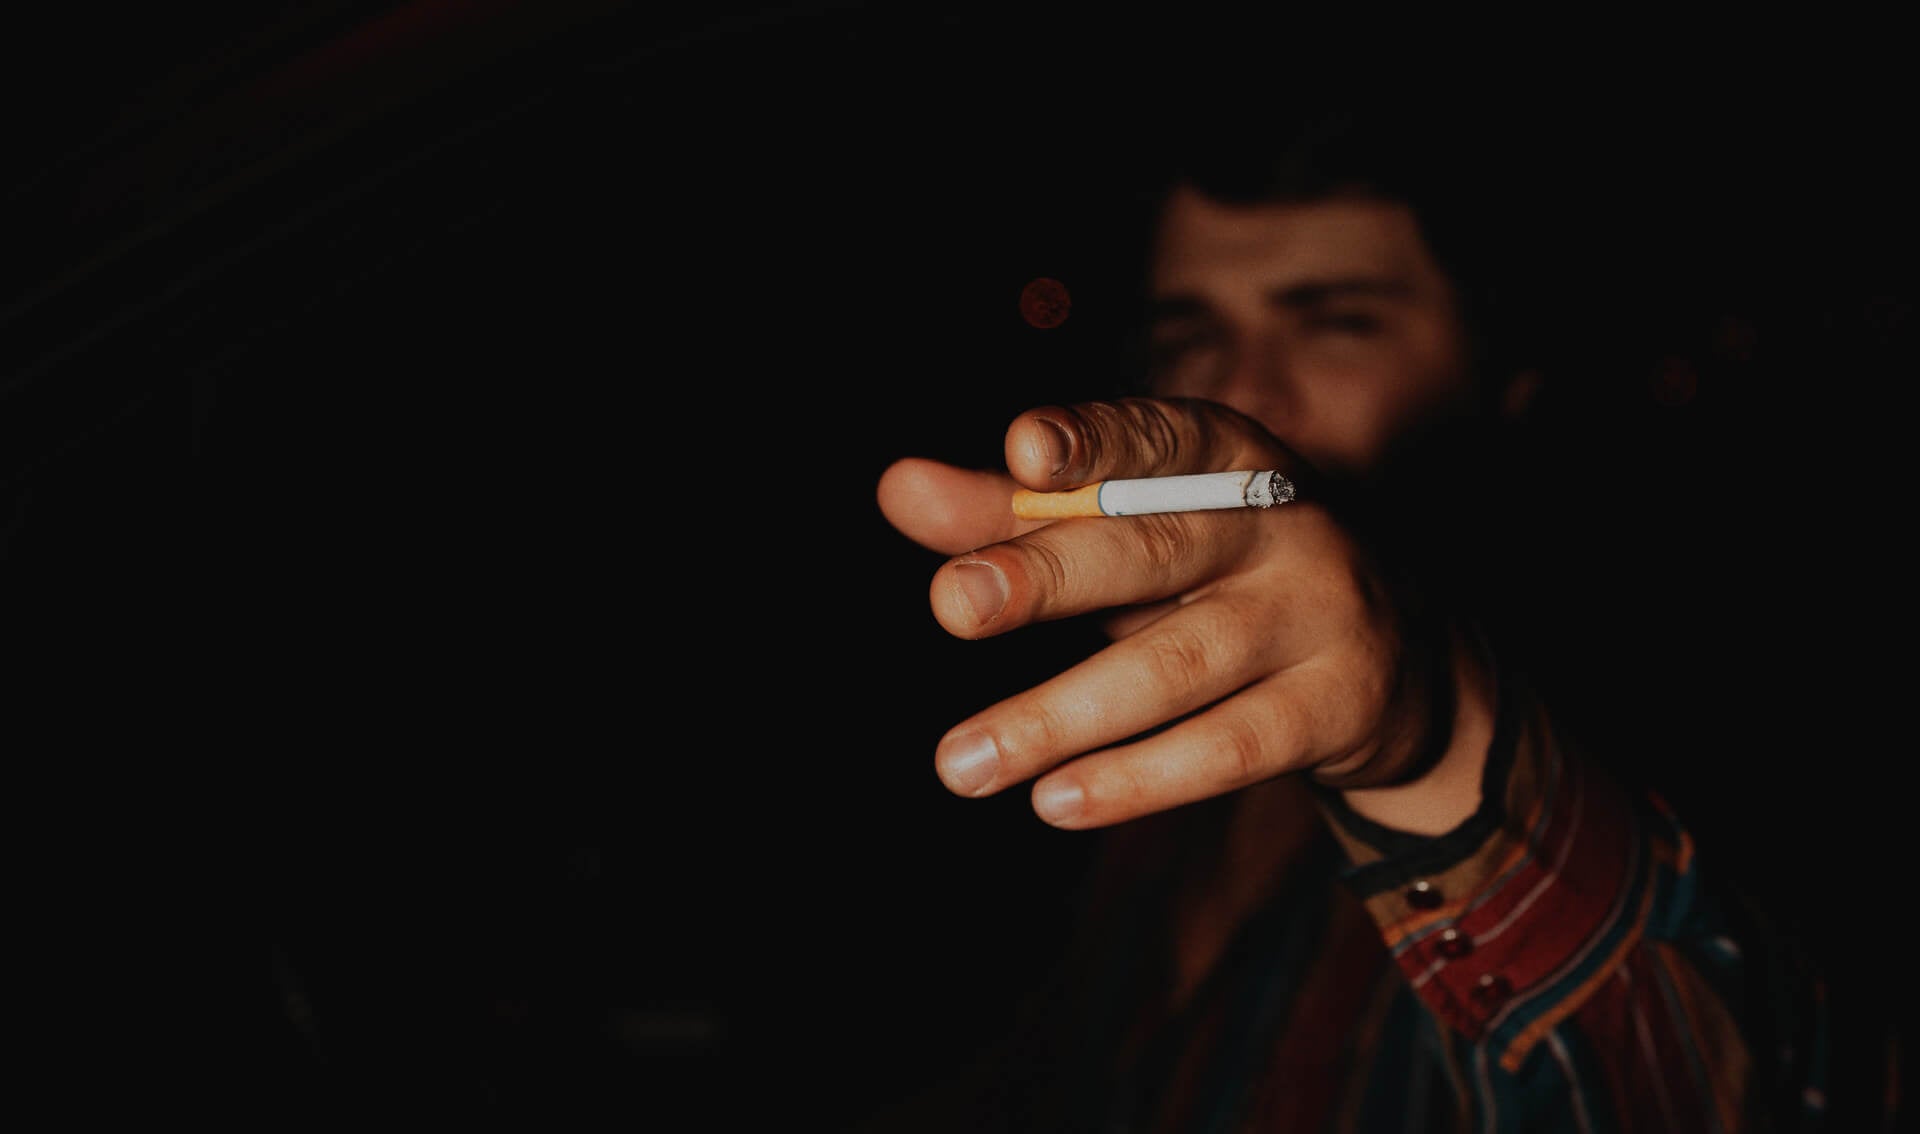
1477 188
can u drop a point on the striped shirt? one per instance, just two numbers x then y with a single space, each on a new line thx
1558 962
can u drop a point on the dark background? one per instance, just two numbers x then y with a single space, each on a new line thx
568 708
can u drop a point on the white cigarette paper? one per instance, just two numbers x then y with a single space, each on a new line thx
1137 497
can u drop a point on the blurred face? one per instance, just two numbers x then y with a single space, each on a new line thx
1329 322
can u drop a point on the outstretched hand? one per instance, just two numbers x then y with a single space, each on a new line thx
1247 643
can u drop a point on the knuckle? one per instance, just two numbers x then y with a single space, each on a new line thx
1141 433
1242 748
1162 543
1154 430
1046 571
1031 739
1178 659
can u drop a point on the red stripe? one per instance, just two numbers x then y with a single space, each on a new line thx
1571 910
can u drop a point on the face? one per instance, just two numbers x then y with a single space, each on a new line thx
1329 322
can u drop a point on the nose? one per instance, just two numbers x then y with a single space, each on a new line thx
1258 381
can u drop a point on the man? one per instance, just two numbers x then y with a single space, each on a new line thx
1360 873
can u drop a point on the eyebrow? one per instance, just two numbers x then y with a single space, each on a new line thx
1309 294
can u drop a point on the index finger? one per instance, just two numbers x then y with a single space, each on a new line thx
1057 448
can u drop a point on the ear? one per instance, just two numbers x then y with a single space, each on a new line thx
1518 396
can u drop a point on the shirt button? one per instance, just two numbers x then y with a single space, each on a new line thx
1453 944
1423 895
1492 990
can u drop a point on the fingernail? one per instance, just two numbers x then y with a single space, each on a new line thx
967 761
1055 446
984 588
1058 801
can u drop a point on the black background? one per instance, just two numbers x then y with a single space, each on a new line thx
568 706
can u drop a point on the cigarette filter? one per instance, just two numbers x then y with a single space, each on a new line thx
1137 497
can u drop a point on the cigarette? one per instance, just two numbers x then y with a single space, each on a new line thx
1138 497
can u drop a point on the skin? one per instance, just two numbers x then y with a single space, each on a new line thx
1248 649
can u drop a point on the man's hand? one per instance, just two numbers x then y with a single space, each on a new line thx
1248 643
